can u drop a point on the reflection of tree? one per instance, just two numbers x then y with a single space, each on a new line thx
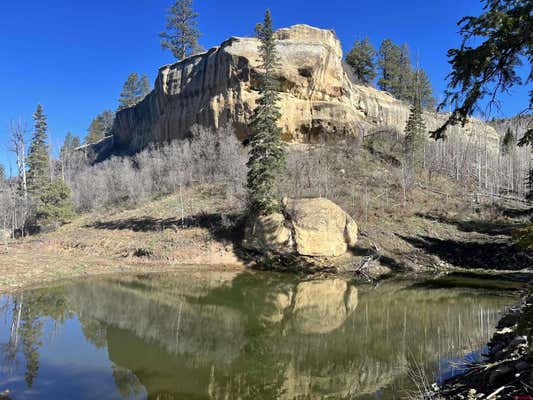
127 383
94 331
29 311
30 332
10 349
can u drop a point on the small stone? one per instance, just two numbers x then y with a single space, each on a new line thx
500 374
518 341
509 320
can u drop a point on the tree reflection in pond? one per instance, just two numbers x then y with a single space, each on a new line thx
248 335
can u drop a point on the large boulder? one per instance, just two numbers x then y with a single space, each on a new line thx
321 228
311 227
268 233
219 87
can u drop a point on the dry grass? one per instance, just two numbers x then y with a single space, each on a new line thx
420 232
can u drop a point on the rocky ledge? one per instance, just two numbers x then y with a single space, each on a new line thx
507 371
317 95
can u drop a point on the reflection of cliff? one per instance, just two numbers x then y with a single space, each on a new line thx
259 336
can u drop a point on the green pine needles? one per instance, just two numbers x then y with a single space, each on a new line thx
267 149
415 130
38 157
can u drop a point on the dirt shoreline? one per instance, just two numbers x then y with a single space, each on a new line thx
24 266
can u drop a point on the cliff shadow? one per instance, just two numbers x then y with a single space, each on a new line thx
499 255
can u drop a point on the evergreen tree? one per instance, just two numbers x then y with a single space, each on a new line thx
508 142
38 158
95 132
182 34
494 48
415 129
405 83
427 100
69 144
55 204
361 60
134 90
389 61
100 126
145 85
267 149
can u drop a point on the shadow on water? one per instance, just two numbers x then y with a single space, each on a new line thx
466 280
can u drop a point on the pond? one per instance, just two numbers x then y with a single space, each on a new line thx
247 335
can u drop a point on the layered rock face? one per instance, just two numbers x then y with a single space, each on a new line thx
219 87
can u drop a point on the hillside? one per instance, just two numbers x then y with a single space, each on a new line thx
432 229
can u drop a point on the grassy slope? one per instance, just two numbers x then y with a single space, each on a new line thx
434 229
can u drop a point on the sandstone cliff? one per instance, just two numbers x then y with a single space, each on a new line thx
219 87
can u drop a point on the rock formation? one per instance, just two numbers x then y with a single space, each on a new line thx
313 227
219 87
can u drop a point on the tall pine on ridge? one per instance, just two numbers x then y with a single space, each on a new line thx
182 34
267 149
134 90
38 158
361 60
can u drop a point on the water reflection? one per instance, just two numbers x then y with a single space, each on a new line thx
236 335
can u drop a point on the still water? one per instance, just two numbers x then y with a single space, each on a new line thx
239 335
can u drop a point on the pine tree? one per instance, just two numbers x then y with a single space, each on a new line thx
267 149
182 34
427 100
490 60
69 144
55 204
145 86
38 158
405 84
415 129
100 127
133 91
361 59
508 142
95 131
389 61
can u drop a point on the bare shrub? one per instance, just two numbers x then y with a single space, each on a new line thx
206 157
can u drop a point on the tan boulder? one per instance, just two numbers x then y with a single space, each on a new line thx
321 228
268 233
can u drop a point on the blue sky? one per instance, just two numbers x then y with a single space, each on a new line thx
74 56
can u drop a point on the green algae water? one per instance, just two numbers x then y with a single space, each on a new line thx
241 335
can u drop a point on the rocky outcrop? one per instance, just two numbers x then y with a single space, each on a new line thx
268 233
312 227
321 228
219 87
